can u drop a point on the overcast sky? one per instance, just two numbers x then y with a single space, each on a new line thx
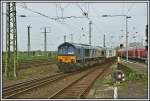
111 26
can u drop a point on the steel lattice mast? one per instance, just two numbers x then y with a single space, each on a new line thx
11 40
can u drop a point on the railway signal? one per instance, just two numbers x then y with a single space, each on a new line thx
117 77
121 45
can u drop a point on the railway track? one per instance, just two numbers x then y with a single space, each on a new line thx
24 65
29 64
54 85
18 88
143 61
80 87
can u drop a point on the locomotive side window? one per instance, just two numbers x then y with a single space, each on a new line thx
110 52
103 53
78 51
87 52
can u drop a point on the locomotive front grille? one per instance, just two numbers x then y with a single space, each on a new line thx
66 59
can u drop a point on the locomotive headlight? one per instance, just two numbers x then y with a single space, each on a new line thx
72 60
119 76
60 60
123 79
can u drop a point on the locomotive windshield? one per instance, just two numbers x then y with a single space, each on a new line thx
66 50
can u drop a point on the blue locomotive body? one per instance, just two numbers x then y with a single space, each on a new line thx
73 56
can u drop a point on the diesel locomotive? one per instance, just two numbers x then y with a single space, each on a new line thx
73 56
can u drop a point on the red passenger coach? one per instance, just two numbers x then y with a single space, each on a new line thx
133 53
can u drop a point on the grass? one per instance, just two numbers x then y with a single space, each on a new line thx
25 57
135 75
135 81
22 58
34 72
130 76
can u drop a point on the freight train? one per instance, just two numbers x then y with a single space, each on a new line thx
73 56
134 53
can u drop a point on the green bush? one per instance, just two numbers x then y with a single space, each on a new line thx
134 75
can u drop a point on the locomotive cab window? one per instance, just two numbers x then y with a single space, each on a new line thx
70 50
66 50
87 52
103 53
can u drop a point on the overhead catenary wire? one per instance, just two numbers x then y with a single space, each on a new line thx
88 9
56 8
21 15
122 14
85 13
80 8
104 24
130 8
55 19
56 11
62 10
44 15
98 17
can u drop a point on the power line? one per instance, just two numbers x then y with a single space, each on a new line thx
40 14
122 9
68 17
68 4
85 13
22 15
122 21
97 28
129 9
80 8
55 19
62 10
98 16
88 9
56 11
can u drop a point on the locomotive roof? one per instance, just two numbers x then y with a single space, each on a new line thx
77 45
